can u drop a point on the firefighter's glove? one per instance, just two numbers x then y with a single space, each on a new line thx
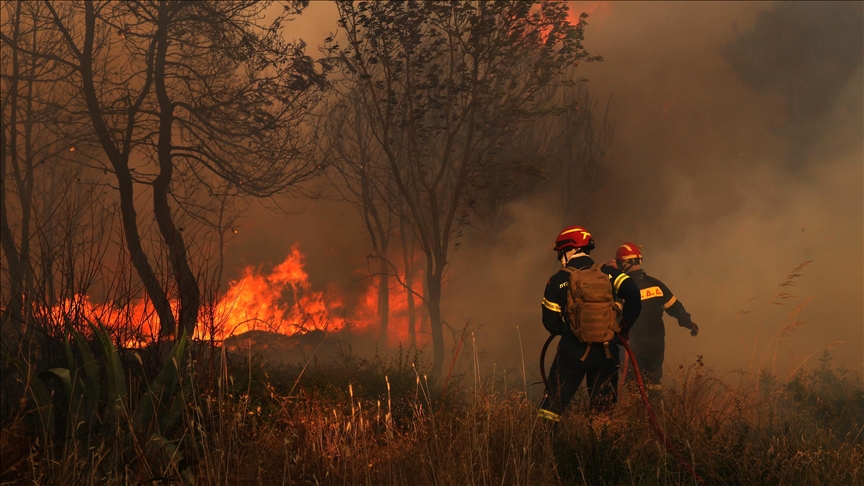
625 329
694 329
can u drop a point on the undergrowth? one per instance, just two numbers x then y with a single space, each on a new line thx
381 421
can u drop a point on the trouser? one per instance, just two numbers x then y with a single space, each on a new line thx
572 364
649 356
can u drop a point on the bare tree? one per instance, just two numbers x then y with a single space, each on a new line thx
577 157
360 180
39 197
561 154
181 96
442 84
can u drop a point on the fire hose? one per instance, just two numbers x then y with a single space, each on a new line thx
652 418
624 368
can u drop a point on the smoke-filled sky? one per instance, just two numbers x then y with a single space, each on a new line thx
737 155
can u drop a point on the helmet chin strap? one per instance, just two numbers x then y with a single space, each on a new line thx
565 259
625 265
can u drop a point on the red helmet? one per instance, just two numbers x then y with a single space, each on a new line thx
628 251
572 238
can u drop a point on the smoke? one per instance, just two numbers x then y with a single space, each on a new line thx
806 53
737 156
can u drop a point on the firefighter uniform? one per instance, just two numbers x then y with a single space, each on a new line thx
648 338
576 360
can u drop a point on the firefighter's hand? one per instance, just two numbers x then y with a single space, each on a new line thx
612 263
625 329
694 329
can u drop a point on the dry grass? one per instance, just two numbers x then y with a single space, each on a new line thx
357 421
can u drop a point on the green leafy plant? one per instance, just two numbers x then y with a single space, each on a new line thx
101 408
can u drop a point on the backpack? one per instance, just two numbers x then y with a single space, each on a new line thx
591 307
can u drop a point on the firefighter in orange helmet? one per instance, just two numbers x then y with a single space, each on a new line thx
648 338
575 360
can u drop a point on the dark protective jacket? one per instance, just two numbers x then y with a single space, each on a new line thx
555 301
656 298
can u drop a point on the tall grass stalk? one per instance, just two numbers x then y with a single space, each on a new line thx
357 421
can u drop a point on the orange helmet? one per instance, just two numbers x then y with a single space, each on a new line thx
629 251
574 237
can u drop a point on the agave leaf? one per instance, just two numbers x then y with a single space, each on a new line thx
169 418
160 391
171 454
116 379
76 391
92 387
73 389
71 362
39 392
171 450
64 376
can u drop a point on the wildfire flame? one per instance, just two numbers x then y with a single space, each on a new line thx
281 301
366 314
259 302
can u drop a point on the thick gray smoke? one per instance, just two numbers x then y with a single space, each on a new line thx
806 53
737 156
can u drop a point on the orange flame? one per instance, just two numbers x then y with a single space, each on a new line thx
282 301
366 315
258 302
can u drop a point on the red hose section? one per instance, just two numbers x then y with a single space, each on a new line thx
653 418
623 372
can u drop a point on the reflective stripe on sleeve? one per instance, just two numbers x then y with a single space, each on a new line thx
670 303
551 305
549 415
618 280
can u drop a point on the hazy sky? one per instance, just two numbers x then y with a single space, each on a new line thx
737 155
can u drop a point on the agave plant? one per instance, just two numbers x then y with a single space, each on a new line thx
114 421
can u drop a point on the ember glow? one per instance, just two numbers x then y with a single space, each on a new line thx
366 315
281 301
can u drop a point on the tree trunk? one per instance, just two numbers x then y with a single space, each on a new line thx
187 284
433 280
412 312
383 297
14 310
119 159
13 259
408 262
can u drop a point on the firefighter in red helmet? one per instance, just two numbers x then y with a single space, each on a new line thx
648 339
583 358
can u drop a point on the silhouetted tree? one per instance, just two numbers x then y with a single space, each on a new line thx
442 84
182 96
355 159
41 206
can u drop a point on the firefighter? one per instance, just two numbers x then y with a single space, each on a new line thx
648 337
576 360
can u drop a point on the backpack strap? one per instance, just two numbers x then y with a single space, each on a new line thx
572 270
597 266
587 349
